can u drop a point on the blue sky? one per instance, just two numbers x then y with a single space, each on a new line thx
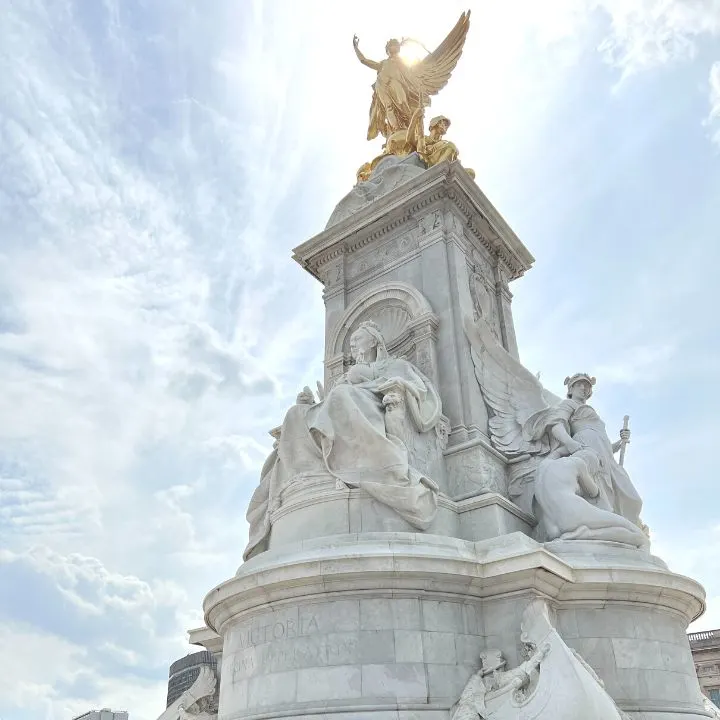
159 161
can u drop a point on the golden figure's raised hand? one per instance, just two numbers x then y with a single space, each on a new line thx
370 63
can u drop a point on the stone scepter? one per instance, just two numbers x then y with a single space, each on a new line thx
623 441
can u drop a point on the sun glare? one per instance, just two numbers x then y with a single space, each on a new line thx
412 52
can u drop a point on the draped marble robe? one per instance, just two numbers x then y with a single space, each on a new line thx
583 424
345 436
396 97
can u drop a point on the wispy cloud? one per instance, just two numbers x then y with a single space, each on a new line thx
648 33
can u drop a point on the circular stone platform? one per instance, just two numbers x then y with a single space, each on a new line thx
391 625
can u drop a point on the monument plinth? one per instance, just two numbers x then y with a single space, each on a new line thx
392 625
435 536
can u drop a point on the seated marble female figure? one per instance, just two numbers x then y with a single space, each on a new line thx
572 425
345 436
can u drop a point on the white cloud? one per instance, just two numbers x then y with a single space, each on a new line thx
102 631
92 589
45 676
648 33
37 663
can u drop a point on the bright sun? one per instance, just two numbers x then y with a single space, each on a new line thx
412 52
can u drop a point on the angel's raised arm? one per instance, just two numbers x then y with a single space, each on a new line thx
370 63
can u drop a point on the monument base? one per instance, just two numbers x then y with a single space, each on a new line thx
391 624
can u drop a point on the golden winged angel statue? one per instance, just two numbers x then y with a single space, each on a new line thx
402 91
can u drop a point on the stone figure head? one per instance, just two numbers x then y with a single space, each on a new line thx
367 343
491 660
392 47
440 124
580 386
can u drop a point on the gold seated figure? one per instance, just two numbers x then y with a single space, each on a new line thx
432 148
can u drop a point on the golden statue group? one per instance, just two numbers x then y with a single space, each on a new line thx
402 92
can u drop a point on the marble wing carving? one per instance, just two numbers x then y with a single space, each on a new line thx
203 687
433 72
511 392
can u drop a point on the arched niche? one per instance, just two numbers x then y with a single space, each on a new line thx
406 320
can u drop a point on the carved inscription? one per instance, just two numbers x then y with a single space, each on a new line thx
321 651
289 628
270 643
289 644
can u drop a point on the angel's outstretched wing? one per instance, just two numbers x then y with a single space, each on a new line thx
511 392
433 71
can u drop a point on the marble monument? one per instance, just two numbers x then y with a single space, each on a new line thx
435 535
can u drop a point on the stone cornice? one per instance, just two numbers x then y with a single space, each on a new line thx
207 638
447 182
441 566
510 247
487 499
481 441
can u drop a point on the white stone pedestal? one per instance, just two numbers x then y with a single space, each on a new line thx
391 625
